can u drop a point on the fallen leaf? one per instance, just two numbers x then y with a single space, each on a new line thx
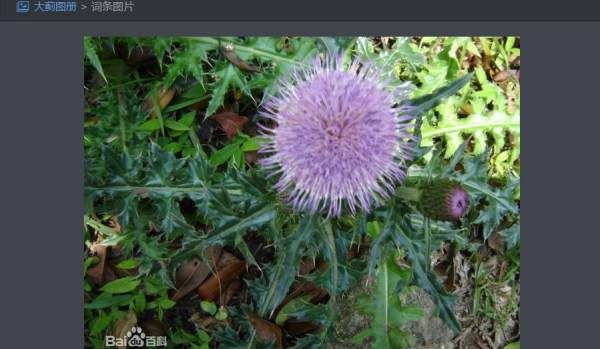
505 75
496 242
229 53
153 327
230 122
299 328
300 289
101 273
212 288
124 325
230 291
226 259
165 96
192 273
204 322
266 331
114 224
307 265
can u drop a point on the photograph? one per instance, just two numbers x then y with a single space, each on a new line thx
301 192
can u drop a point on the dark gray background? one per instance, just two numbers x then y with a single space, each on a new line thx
41 202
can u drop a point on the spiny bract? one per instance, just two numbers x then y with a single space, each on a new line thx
338 136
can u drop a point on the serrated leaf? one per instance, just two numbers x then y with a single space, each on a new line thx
426 279
365 47
381 239
452 128
227 78
512 235
90 53
280 276
384 305
499 203
231 225
425 103
402 45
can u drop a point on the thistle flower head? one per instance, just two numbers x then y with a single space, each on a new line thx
444 200
339 137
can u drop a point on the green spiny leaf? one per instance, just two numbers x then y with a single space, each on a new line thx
92 56
425 278
388 313
453 129
281 275
227 78
425 103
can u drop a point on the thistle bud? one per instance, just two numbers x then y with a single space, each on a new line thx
444 200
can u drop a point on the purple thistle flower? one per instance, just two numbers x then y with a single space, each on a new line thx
458 202
340 137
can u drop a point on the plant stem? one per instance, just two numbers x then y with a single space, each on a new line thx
427 229
333 264
250 50
485 123
157 110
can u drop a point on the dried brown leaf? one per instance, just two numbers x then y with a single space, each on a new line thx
230 291
505 75
496 242
124 324
165 96
299 328
266 331
212 288
153 327
192 273
101 273
230 122
203 321
307 265
300 289
229 53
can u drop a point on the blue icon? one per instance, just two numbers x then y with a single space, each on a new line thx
22 6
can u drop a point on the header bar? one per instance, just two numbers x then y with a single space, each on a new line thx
307 10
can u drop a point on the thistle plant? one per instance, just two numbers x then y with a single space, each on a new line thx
339 137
